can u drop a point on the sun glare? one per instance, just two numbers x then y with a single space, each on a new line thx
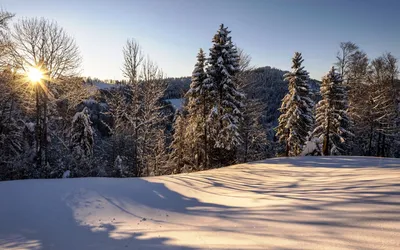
35 75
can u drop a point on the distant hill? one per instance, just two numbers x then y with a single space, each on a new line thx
178 86
266 83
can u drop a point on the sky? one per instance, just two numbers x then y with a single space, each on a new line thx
172 31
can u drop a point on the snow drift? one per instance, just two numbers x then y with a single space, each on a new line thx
282 203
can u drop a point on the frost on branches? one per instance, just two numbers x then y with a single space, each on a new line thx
331 114
225 113
178 155
198 109
82 141
296 118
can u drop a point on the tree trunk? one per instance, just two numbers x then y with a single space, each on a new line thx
38 131
45 152
246 146
287 144
325 148
378 152
205 132
371 133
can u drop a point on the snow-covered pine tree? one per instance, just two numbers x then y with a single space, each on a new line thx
296 119
198 109
225 115
82 142
177 157
331 114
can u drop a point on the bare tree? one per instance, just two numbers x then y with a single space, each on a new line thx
252 132
359 91
5 17
42 41
153 89
244 60
384 72
133 57
137 113
343 57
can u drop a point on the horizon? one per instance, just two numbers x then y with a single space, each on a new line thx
263 29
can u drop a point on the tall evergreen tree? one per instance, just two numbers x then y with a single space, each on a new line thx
331 114
198 109
178 155
296 119
226 112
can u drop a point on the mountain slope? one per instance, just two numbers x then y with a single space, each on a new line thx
296 203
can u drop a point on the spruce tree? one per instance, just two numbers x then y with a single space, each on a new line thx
296 119
331 114
225 114
198 109
178 155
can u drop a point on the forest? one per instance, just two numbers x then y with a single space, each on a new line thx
56 123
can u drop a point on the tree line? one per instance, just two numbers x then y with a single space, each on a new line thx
62 126
358 113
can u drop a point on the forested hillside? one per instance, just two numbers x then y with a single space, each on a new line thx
55 123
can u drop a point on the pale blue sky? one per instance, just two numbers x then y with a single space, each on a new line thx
172 31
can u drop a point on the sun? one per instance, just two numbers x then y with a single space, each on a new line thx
35 75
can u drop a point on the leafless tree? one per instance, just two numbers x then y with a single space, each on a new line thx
137 113
133 58
43 41
343 57
5 17
245 70
153 89
252 132
384 72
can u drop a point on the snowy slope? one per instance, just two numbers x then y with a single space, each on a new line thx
297 203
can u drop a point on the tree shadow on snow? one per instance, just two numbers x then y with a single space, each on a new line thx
286 191
335 162
62 220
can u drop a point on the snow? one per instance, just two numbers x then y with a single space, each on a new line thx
66 174
280 203
176 103
99 86
103 85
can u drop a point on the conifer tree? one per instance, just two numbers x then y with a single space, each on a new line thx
178 145
198 109
296 119
225 114
331 114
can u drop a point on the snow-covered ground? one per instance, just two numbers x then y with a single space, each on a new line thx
103 85
296 203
